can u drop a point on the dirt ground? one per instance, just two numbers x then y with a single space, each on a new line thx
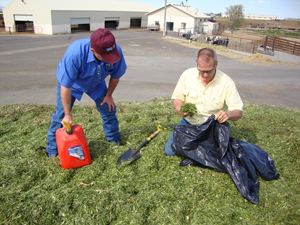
243 34
273 23
244 37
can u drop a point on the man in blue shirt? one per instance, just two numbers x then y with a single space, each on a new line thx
83 69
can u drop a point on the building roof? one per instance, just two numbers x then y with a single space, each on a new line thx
186 9
95 5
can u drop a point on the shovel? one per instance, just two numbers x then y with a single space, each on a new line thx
131 155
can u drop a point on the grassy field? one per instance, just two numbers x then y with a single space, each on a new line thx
152 190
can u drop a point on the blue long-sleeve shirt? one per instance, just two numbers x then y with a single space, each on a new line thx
80 70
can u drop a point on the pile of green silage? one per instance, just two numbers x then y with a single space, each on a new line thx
152 190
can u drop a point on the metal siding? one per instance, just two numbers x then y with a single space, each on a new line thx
80 20
51 18
111 18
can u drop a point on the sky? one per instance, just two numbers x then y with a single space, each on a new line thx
279 8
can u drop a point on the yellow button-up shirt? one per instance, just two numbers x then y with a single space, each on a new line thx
220 94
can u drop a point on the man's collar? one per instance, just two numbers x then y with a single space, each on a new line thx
214 78
91 57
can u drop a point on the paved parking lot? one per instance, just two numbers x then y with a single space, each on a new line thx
28 70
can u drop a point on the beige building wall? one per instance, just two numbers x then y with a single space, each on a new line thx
56 21
41 15
173 15
178 18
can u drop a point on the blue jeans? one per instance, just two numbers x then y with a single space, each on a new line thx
109 122
168 148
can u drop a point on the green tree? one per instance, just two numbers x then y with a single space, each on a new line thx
235 16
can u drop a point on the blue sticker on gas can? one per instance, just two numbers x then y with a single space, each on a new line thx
76 152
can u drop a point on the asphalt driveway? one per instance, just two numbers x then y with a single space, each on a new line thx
28 70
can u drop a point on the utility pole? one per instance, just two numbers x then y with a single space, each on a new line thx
165 22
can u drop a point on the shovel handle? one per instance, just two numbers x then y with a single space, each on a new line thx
155 133
148 139
140 146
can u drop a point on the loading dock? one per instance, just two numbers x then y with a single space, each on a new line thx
111 22
135 22
80 24
23 23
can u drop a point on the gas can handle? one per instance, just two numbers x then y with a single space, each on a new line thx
69 129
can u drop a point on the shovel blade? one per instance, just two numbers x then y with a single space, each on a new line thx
129 156
135 157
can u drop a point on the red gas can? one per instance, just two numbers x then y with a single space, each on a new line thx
72 147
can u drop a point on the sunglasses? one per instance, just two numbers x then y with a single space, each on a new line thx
205 71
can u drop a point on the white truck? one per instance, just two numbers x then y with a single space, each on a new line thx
155 27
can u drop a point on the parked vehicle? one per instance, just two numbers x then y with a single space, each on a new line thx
155 27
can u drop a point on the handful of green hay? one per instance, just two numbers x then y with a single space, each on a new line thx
189 108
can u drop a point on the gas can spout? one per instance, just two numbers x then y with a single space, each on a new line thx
69 129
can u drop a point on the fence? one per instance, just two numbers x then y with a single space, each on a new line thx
283 45
233 45
241 46
268 46
172 33
24 28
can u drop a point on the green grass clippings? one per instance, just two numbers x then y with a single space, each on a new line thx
189 108
154 189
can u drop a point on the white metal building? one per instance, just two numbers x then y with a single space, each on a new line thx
182 18
256 17
66 16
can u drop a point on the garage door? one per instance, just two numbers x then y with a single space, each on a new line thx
111 22
80 20
135 22
23 18
80 24
24 23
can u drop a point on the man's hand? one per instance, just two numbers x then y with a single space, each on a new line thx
108 98
233 115
68 119
177 103
110 101
222 116
184 114
181 113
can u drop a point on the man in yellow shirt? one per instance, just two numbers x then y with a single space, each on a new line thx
211 90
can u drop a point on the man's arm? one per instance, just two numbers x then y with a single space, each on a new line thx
108 98
233 115
65 94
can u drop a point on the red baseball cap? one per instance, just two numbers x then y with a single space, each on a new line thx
103 42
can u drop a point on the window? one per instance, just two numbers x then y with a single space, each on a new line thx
183 25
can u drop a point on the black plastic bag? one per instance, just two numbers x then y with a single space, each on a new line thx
210 145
